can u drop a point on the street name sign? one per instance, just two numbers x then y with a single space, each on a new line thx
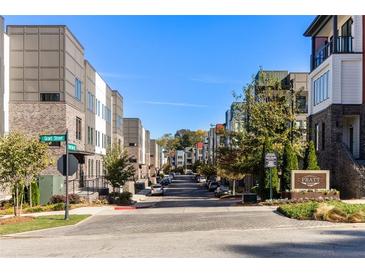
52 138
72 147
270 160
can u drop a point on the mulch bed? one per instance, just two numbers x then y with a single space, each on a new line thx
16 220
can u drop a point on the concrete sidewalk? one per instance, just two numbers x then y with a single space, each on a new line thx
78 211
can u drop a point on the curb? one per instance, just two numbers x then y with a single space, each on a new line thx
125 208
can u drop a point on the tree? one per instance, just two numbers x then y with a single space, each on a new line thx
290 162
22 158
118 166
166 168
310 160
267 113
207 170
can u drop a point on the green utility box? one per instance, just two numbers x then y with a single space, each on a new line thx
50 185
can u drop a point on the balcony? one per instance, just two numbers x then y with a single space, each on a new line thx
343 45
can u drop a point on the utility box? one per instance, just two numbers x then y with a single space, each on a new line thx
50 185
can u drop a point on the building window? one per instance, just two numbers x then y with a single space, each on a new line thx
316 137
301 102
50 97
90 102
90 135
323 135
346 29
320 89
78 128
132 144
78 92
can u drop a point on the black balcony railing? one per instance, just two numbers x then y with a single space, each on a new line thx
343 45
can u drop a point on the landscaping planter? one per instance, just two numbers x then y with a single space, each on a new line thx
249 198
296 195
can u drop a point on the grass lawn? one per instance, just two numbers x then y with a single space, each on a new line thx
39 223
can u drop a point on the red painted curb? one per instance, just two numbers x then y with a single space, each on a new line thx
125 208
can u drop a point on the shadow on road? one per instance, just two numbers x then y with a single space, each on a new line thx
352 246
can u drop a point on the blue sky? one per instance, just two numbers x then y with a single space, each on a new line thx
179 71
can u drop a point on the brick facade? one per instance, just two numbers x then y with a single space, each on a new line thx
333 155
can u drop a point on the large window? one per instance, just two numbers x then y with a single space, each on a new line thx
119 121
78 89
50 97
78 128
320 89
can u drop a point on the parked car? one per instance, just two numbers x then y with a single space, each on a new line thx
202 180
189 172
221 190
157 190
213 186
167 178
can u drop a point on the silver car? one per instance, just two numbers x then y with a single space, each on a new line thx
157 190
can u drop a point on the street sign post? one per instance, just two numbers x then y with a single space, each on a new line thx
270 162
61 138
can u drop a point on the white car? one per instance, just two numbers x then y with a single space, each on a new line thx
157 190
202 179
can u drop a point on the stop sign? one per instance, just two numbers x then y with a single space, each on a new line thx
72 164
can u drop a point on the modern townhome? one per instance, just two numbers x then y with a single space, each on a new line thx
52 88
235 120
135 143
155 156
291 84
337 99
199 151
179 160
216 139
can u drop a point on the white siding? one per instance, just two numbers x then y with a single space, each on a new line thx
345 81
357 33
351 89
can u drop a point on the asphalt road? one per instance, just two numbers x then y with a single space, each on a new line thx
189 222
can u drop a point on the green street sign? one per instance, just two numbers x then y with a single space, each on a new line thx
52 138
72 147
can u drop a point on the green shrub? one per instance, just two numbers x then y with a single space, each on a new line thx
35 209
72 199
301 211
332 211
35 194
310 159
57 207
123 198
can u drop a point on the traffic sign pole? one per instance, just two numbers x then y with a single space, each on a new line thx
270 183
66 202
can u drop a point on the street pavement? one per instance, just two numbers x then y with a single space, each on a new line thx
188 221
